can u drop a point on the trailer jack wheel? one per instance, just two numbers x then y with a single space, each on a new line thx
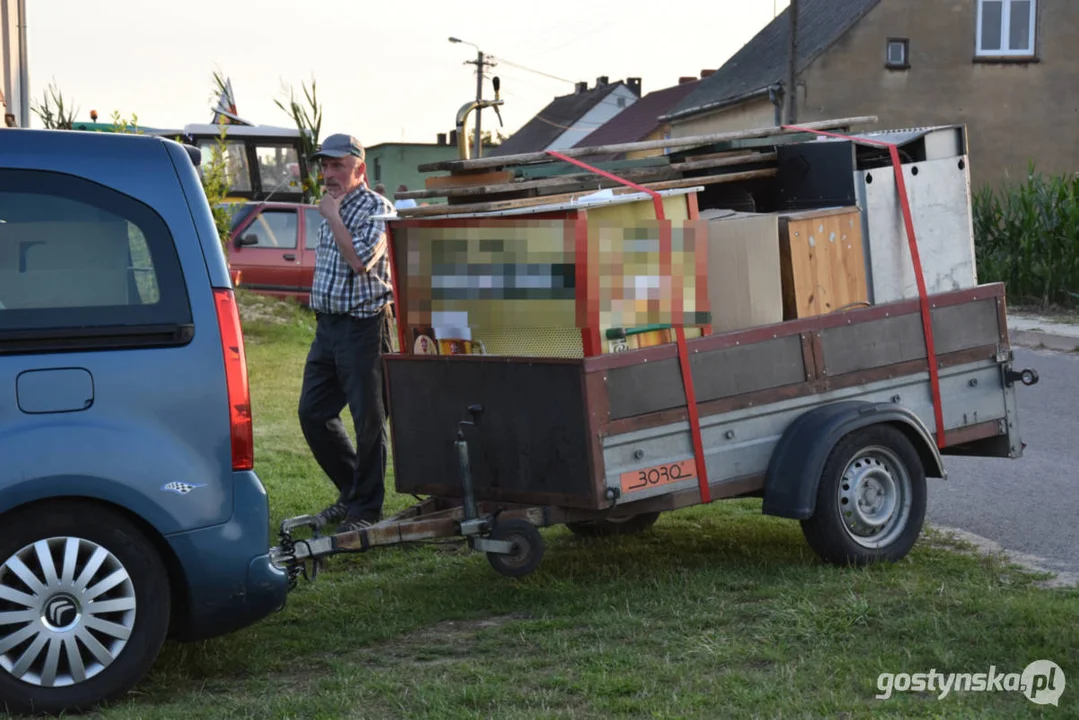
527 547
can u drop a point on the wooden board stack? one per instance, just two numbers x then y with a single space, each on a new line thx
506 182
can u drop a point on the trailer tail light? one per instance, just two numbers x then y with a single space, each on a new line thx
232 345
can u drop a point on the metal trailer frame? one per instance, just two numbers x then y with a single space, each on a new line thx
773 403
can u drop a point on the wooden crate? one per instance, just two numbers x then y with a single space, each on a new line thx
823 262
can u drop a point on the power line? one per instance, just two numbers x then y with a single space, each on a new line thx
528 69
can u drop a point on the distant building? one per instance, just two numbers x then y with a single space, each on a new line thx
1006 69
569 118
395 163
640 121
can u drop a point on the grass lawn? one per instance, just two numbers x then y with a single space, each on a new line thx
717 612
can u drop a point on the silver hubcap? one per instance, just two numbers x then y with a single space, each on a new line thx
875 497
67 608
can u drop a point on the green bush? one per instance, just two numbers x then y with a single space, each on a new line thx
1027 236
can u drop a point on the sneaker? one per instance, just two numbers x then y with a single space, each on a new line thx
334 513
353 524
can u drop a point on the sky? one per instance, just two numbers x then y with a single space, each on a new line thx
385 71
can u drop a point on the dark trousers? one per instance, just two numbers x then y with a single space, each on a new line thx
344 367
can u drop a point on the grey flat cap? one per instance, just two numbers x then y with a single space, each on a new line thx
339 145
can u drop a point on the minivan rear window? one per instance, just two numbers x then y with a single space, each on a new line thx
78 258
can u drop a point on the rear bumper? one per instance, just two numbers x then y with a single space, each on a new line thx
230 580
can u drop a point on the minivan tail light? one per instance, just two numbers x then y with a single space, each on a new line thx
232 345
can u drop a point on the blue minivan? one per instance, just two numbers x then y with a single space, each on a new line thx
129 507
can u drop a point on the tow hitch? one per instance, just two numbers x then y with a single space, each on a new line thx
505 532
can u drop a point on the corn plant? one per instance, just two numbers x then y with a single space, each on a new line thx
309 122
1027 236
215 183
53 113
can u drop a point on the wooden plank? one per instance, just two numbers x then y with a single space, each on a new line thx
653 387
432 211
447 181
898 339
712 179
557 167
547 183
740 145
703 154
525 158
646 174
715 162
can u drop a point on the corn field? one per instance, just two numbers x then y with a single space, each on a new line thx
1027 236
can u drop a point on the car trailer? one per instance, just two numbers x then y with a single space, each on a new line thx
835 419
829 419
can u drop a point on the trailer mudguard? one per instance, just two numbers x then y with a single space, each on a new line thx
794 470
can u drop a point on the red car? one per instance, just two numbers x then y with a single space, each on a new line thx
272 248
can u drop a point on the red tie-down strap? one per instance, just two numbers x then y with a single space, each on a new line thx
680 332
923 295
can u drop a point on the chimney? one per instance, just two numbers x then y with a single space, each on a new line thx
453 138
602 80
442 138
686 78
707 73
634 84
581 87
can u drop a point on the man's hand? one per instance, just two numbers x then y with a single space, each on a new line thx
329 207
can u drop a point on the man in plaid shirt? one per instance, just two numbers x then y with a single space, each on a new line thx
351 295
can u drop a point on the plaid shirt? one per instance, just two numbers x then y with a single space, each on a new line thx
336 287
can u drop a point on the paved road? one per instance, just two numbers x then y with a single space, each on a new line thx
1029 505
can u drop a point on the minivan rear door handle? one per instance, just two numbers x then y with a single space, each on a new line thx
290 256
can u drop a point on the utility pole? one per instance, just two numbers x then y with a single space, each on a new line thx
792 66
481 63
478 148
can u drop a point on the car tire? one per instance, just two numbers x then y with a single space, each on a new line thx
85 605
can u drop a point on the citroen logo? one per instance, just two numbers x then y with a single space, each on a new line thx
61 612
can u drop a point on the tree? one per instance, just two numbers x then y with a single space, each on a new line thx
488 139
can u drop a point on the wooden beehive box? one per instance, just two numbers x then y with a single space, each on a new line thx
822 261
549 280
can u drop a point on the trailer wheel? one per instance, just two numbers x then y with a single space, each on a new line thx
528 547
605 527
870 500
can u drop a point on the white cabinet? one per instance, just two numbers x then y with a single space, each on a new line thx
940 202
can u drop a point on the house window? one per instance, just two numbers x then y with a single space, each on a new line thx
1006 28
897 54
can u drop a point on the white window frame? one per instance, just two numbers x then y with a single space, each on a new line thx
1005 32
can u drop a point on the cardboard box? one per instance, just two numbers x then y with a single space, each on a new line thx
744 279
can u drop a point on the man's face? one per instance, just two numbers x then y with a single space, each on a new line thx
342 175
